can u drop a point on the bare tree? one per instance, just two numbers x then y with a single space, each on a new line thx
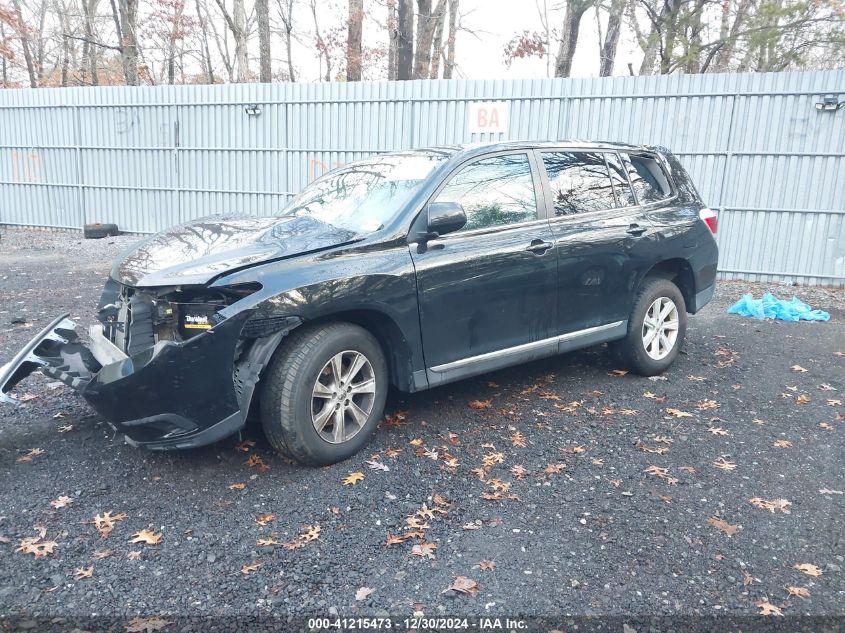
405 39
202 18
354 51
286 16
611 39
125 15
236 21
393 39
575 10
265 66
449 62
23 36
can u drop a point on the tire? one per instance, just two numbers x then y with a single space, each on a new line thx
98 231
291 409
631 350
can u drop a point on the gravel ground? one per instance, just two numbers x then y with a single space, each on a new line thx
566 521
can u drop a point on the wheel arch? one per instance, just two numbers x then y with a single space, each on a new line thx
679 272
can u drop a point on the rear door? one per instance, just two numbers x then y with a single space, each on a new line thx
602 237
488 292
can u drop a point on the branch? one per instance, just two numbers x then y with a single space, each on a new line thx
95 43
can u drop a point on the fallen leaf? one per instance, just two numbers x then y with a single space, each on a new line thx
480 404
464 585
800 592
654 396
146 536
311 533
236 486
492 458
353 478
828 491
775 504
830 402
706 405
146 625
767 608
103 554
35 546
782 444
617 373
392 539
244 446
440 501
678 413
747 579
255 461
82 572
377 465
363 593
802 399
264 519
393 452
472 526
717 430
554 469
62 502
250 568
615 482
105 522
487 565
135 555
798 369
724 464
33 452
267 542
424 549
807 568
722 525
65 428
518 439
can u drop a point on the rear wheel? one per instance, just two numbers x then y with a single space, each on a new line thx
656 328
324 393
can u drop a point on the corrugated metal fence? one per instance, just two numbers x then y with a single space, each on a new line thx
150 157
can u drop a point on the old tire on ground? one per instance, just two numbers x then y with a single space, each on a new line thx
324 393
97 231
656 328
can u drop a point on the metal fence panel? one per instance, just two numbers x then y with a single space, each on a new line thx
150 157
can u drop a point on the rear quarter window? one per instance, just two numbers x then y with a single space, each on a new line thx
648 179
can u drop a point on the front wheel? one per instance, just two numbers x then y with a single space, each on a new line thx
324 393
656 328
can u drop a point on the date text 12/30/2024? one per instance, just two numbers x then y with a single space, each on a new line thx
416 623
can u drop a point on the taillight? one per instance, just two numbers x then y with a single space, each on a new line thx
710 218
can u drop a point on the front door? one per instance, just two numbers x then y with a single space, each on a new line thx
488 292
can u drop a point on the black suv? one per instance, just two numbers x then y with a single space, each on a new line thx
410 269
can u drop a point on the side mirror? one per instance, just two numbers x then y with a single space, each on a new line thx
445 217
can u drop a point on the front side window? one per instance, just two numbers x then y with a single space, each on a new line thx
363 196
579 181
647 177
493 191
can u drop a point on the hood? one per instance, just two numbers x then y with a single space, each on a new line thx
197 252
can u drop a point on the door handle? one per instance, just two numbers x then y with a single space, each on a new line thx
636 230
539 247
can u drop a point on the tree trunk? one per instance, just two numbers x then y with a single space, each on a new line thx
89 51
206 52
393 38
24 38
425 31
449 62
286 12
569 41
611 40
265 66
437 43
241 51
725 57
124 14
353 40
405 36
178 10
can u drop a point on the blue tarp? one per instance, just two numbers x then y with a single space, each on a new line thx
770 307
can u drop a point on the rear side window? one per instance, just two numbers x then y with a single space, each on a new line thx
624 195
647 177
579 181
493 191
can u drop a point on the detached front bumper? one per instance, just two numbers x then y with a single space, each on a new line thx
172 395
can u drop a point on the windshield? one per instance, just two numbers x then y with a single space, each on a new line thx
363 196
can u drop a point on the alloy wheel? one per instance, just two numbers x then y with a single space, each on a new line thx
343 396
660 328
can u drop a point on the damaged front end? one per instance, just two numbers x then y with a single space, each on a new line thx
162 365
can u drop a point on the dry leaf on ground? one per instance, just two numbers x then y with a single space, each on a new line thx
808 568
767 608
146 536
363 593
353 478
722 525
463 585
